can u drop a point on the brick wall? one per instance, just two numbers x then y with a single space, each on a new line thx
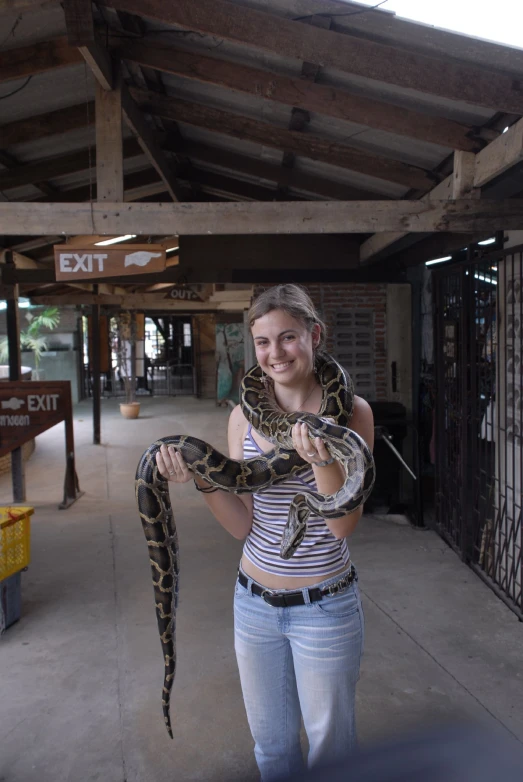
362 296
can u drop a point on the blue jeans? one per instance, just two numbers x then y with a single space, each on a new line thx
300 659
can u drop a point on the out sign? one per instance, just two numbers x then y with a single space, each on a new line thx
184 294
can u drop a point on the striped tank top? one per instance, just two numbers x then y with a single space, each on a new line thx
320 552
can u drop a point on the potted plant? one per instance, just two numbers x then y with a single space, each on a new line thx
125 348
32 337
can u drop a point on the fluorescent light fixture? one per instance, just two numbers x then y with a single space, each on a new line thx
505 129
439 260
488 241
115 240
172 249
486 279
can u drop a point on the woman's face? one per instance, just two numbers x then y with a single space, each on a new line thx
284 347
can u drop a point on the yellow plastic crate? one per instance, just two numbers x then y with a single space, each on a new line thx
15 539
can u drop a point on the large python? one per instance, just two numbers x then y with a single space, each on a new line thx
251 475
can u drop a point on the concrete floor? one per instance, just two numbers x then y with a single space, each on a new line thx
81 673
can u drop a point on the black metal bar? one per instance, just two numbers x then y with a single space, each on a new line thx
468 370
95 353
498 591
416 276
15 373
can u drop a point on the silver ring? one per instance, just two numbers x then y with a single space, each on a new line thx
171 472
311 454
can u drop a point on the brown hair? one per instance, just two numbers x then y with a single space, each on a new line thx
292 299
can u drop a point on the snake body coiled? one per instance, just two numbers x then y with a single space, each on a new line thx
248 476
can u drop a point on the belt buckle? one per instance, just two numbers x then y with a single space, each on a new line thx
341 585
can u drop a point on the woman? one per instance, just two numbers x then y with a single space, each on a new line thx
298 643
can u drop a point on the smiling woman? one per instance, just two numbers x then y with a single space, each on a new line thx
303 659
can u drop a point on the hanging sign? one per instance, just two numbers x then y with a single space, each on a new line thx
93 263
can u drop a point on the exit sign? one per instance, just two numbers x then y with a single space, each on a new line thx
92 263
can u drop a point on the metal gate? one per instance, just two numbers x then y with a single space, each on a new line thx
478 342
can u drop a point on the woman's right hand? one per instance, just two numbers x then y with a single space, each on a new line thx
171 465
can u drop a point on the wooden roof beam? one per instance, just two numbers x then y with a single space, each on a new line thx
300 117
59 165
81 33
145 137
436 75
45 125
303 94
37 58
243 164
498 157
136 185
237 188
307 145
303 217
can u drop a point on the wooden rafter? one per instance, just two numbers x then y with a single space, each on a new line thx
242 164
407 34
37 58
464 216
81 33
434 75
59 165
307 145
10 163
300 117
45 125
237 188
136 186
70 118
499 156
145 137
301 93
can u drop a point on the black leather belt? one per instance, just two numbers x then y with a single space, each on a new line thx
288 599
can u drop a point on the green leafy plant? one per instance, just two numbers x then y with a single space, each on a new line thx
32 337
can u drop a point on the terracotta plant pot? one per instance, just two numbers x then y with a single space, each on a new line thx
130 409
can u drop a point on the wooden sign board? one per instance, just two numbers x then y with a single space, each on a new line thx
28 408
94 263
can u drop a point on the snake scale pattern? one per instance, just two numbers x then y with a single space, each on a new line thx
251 475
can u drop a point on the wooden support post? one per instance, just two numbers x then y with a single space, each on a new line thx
463 175
71 485
95 353
15 373
109 144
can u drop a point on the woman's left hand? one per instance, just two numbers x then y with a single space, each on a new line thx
311 451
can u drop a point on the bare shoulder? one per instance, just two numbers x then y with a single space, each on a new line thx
237 429
362 420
